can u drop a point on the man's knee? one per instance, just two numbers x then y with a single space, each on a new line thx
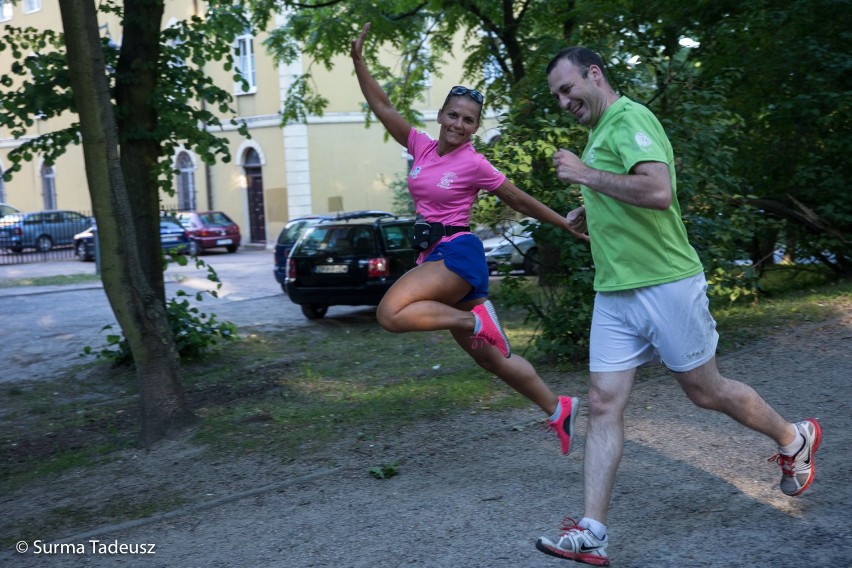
602 403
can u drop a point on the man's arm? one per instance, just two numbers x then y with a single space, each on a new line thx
647 185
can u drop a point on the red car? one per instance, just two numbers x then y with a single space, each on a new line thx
208 230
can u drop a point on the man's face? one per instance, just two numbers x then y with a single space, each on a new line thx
581 96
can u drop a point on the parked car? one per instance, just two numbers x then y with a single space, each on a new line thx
348 262
208 230
41 230
296 227
515 248
173 237
6 209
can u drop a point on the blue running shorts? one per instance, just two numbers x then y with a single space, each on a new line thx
465 256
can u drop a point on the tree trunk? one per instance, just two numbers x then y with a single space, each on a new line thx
133 283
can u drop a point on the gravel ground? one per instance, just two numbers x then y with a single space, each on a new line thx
694 488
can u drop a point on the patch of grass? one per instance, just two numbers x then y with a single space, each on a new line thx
51 280
314 394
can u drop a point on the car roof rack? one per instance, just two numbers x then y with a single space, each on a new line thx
363 213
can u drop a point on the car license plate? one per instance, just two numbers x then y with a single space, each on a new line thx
169 239
331 269
224 242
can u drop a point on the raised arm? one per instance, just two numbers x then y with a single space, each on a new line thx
378 100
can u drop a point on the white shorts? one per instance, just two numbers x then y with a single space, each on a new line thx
668 323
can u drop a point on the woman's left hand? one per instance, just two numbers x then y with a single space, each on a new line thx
358 44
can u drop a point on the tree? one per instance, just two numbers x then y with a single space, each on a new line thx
146 107
792 94
137 299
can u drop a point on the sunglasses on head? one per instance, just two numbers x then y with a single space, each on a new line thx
458 91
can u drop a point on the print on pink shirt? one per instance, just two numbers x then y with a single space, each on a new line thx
447 180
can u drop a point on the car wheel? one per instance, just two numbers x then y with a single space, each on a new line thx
531 264
43 243
284 289
233 248
81 252
194 249
314 311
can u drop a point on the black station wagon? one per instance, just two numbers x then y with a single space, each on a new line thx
350 262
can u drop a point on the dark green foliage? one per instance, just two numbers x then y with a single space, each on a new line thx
195 332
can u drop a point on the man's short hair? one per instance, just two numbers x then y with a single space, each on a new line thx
579 56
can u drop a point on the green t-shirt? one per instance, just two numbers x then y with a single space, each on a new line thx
633 247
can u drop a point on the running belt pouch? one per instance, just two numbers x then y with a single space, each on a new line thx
425 234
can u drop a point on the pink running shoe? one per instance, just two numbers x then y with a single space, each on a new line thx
564 425
490 329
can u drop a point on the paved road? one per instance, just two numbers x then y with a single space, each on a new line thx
45 328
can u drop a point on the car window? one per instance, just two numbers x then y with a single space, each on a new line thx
74 217
340 240
363 241
291 234
315 239
215 218
397 237
34 219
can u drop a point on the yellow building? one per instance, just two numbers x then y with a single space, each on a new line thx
331 163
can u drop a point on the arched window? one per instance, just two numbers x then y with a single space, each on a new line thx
185 182
252 159
48 186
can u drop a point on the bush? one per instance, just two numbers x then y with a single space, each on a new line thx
194 331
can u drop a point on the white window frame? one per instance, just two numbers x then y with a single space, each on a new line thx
7 11
185 166
31 6
245 62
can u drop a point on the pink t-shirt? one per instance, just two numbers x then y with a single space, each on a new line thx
444 187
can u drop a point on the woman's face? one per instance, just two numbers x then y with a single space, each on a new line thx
459 119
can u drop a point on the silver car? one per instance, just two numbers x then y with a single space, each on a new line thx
514 248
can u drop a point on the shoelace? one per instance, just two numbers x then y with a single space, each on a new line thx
786 463
569 524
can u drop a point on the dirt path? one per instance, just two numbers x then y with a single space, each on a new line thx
694 489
